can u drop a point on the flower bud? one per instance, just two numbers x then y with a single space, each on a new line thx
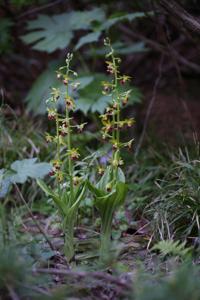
69 103
60 176
101 171
65 81
64 124
130 123
73 153
56 165
108 187
48 138
51 114
125 101
76 180
115 146
51 173
114 105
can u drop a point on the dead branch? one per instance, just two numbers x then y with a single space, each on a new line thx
179 13
12 292
161 48
81 274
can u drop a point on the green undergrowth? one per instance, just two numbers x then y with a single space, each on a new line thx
165 190
161 206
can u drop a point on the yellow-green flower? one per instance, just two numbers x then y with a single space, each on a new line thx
51 113
74 154
70 103
77 180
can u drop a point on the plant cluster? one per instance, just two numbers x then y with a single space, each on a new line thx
71 183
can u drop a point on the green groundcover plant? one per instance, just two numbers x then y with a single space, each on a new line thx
72 182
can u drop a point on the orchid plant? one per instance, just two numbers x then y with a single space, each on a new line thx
70 186
110 191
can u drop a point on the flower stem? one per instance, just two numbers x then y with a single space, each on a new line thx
106 235
58 146
68 225
117 117
70 162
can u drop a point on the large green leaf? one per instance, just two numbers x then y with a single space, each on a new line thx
120 48
105 179
110 202
75 205
40 90
88 38
55 32
89 94
105 26
28 168
49 192
95 190
125 49
90 98
122 17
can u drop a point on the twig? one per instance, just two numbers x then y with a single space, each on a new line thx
81 274
36 10
178 12
13 294
149 109
158 47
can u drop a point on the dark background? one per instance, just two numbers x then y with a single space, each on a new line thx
167 74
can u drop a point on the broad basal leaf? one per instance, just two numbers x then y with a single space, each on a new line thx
28 168
105 26
89 99
121 48
40 90
55 32
110 202
122 17
88 38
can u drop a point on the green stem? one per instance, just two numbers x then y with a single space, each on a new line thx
57 138
117 119
58 147
70 163
106 235
68 225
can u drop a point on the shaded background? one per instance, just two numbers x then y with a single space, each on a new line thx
160 49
